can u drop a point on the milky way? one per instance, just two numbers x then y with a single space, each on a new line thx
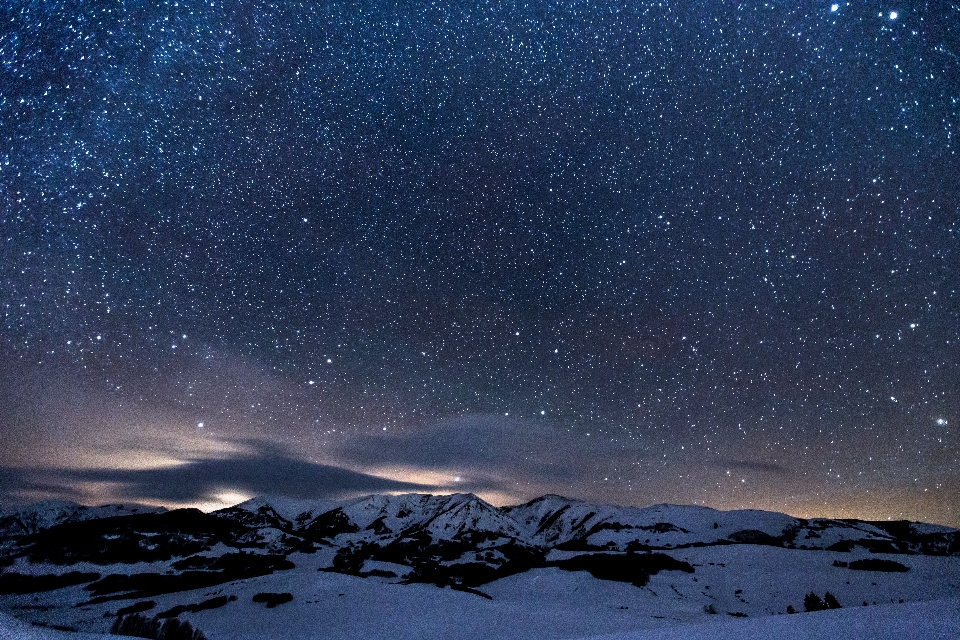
632 252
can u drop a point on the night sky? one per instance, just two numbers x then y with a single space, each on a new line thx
631 252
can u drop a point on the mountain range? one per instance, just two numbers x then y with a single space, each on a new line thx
559 565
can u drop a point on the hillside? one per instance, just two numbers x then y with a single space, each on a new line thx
455 566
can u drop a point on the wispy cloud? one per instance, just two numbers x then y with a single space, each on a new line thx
482 443
262 469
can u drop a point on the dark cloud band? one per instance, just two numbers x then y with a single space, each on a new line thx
264 469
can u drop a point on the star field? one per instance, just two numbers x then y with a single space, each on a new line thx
633 252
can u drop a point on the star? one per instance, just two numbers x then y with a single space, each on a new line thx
725 249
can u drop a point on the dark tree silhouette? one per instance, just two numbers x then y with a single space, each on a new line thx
140 626
812 602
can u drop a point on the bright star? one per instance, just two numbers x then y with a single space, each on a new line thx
893 15
834 7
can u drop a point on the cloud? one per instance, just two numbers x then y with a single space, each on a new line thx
485 443
521 457
263 469
24 486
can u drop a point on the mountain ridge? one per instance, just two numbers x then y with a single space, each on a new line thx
546 521
62 563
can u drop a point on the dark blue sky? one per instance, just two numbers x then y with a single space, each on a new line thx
628 251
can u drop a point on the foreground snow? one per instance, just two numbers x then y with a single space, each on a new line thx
934 620
13 629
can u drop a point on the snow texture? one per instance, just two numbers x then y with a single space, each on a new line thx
418 567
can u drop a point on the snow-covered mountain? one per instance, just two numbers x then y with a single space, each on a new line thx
555 522
256 513
24 521
595 568
16 524
443 517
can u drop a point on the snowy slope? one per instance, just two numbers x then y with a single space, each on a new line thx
934 620
454 566
256 512
299 511
445 517
554 521
539 604
14 629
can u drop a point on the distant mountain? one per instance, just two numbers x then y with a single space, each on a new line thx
545 523
443 517
24 521
256 513
555 522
